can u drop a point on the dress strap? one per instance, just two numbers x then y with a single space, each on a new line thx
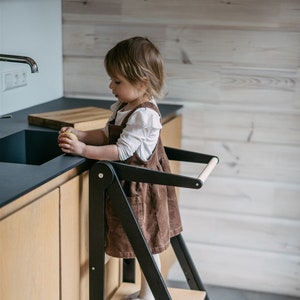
112 122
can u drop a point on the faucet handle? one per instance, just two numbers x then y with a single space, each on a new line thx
6 117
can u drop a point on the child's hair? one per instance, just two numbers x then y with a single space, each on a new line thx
135 59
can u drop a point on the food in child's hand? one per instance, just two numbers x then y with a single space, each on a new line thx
71 135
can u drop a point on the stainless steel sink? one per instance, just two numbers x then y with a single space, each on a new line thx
31 147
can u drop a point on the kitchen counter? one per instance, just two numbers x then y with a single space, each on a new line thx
19 179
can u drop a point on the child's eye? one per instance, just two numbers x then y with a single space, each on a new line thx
115 81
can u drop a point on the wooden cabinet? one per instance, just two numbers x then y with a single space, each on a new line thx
33 258
74 264
29 251
171 136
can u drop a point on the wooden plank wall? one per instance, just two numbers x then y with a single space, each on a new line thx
235 66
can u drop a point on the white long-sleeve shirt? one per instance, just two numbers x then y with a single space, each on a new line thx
140 134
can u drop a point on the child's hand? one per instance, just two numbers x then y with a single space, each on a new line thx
68 142
69 130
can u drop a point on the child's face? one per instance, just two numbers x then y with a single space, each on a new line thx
125 91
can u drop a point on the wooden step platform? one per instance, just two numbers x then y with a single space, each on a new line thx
176 294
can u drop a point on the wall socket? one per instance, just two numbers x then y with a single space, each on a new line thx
14 79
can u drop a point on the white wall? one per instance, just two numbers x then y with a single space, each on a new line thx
31 28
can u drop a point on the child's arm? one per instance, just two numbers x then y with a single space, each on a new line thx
107 152
90 144
76 147
91 137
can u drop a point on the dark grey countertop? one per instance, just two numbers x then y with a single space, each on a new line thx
19 179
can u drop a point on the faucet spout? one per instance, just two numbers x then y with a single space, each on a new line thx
20 59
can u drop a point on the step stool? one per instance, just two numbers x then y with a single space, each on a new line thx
104 178
176 294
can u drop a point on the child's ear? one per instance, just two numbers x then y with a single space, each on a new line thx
143 84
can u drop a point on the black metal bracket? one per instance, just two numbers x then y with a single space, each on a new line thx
104 179
104 171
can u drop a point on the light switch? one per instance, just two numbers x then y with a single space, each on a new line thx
14 79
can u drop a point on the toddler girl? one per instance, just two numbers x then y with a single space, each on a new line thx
132 135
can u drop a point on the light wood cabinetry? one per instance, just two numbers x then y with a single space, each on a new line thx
29 252
72 240
44 238
171 136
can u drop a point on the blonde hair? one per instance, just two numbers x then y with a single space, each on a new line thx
137 59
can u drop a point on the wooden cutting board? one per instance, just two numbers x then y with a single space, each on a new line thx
83 118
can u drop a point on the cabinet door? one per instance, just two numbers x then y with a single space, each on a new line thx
29 251
74 238
171 137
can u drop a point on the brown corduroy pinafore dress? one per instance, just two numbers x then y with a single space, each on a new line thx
155 206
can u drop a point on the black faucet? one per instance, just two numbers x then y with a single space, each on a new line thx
6 117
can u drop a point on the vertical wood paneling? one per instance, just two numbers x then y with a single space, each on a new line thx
235 66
